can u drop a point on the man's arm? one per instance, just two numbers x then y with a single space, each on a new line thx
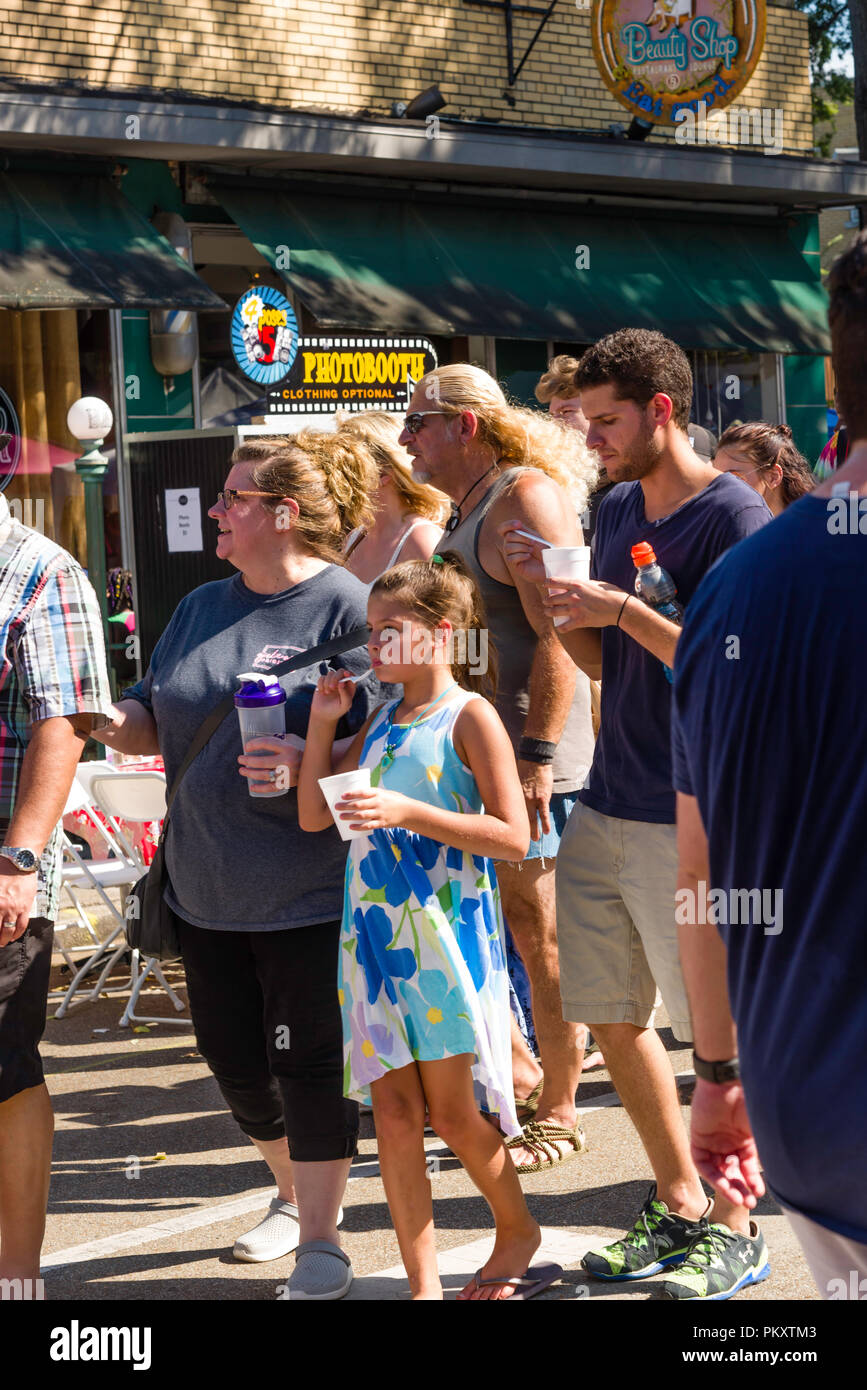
538 505
522 558
584 646
721 1138
593 604
47 770
702 952
60 668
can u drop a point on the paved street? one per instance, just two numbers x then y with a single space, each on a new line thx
152 1182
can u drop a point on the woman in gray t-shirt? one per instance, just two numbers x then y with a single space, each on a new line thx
258 901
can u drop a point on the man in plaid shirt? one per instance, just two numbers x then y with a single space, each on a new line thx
53 690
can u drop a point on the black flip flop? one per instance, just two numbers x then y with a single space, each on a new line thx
536 1279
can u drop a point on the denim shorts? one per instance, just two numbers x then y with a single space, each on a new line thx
559 807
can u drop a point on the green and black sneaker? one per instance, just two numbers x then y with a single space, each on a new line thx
719 1263
658 1239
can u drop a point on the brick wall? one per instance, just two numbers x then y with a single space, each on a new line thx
352 55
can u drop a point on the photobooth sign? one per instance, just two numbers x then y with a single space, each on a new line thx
352 374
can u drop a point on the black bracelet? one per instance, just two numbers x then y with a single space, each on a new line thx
536 750
622 606
720 1073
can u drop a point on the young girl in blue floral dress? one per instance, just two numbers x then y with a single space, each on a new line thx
423 980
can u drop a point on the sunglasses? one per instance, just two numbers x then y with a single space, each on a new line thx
229 496
414 421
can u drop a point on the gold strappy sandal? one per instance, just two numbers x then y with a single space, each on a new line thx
540 1137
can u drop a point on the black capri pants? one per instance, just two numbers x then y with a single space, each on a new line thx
267 1021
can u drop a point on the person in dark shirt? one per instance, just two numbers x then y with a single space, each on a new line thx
617 871
769 766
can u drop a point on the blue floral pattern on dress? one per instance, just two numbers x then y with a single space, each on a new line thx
423 952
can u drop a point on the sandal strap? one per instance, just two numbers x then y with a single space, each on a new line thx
516 1281
537 1137
532 1101
322 1247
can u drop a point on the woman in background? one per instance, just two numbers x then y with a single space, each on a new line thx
765 457
408 515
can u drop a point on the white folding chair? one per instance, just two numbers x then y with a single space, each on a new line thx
138 798
120 868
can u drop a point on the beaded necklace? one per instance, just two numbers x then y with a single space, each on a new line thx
388 756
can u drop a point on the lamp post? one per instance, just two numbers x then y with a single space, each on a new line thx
89 421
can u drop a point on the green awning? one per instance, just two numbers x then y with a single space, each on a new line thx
446 267
74 242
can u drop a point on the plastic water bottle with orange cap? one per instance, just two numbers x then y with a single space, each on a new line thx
655 587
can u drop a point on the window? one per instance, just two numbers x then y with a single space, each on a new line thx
730 387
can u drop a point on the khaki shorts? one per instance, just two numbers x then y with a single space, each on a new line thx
616 882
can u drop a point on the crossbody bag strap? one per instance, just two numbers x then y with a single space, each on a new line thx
209 726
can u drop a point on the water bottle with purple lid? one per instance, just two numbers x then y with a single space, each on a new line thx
261 706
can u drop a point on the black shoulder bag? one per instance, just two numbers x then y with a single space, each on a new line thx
150 923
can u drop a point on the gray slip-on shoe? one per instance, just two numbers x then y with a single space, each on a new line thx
276 1235
322 1271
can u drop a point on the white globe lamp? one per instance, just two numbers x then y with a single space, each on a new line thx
89 420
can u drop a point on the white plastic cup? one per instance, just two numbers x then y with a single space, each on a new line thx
566 562
333 789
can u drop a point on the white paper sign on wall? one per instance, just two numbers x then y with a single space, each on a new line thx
183 518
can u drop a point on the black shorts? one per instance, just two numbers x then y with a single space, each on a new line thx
25 966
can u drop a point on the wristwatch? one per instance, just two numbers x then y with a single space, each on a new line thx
23 859
718 1072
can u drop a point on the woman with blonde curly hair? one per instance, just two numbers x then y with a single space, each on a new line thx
504 466
408 515
256 903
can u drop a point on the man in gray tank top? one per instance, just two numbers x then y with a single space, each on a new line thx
499 464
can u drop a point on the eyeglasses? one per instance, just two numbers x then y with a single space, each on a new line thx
414 421
736 473
229 496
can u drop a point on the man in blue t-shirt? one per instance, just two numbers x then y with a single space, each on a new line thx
771 775
617 870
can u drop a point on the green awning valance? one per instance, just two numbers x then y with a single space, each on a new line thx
74 242
452 267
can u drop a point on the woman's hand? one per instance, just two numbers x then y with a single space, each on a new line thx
583 602
333 698
522 554
376 809
272 755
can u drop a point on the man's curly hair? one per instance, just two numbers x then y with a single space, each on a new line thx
847 316
639 363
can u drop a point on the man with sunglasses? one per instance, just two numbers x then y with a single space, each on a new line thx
498 463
